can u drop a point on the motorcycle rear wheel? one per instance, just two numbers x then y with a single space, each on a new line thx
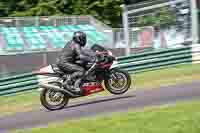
47 93
121 84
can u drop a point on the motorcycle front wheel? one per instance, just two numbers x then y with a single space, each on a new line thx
119 82
53 100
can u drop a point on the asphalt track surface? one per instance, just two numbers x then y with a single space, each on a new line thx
103 106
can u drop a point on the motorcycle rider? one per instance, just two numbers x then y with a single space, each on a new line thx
70 54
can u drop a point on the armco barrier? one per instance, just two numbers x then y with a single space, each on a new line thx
196 53
134 63
154 54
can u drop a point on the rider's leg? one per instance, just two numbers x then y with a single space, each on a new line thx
78 72
77 76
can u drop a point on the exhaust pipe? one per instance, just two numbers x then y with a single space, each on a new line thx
56 88
52 87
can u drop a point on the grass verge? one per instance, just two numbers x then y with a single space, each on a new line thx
148 80
182 118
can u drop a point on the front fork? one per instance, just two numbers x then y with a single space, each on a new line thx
110 75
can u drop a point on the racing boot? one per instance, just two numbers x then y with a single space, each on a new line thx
77 87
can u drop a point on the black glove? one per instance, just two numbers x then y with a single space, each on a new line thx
94 59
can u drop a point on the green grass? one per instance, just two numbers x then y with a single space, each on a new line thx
182 118
165 77
147 80
21 102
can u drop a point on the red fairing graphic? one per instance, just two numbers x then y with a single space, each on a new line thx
106 66
92 88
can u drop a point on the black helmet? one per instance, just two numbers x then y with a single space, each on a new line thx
80 38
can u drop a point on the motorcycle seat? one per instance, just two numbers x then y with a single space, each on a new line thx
57 70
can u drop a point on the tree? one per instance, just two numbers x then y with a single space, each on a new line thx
108 11
7 7
135 1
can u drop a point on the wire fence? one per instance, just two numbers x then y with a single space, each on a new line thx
158 24
44 21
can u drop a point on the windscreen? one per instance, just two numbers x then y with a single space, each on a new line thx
97 47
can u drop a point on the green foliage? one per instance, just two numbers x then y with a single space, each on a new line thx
7 6
108 11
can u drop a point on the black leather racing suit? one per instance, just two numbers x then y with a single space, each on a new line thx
71 53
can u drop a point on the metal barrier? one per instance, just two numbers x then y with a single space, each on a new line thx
153 60
135 63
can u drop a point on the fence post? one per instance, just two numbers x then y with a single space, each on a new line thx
4 70
195 27
126 29
45 60
37 19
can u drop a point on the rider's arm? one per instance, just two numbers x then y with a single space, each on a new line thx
88 52
82 55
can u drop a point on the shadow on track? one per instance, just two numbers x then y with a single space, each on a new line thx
100 101
95 101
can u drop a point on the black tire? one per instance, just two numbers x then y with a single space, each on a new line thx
122 90
49 106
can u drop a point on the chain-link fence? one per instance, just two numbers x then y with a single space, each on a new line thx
159 24
44 21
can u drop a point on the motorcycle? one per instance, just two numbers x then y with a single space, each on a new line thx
55 96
